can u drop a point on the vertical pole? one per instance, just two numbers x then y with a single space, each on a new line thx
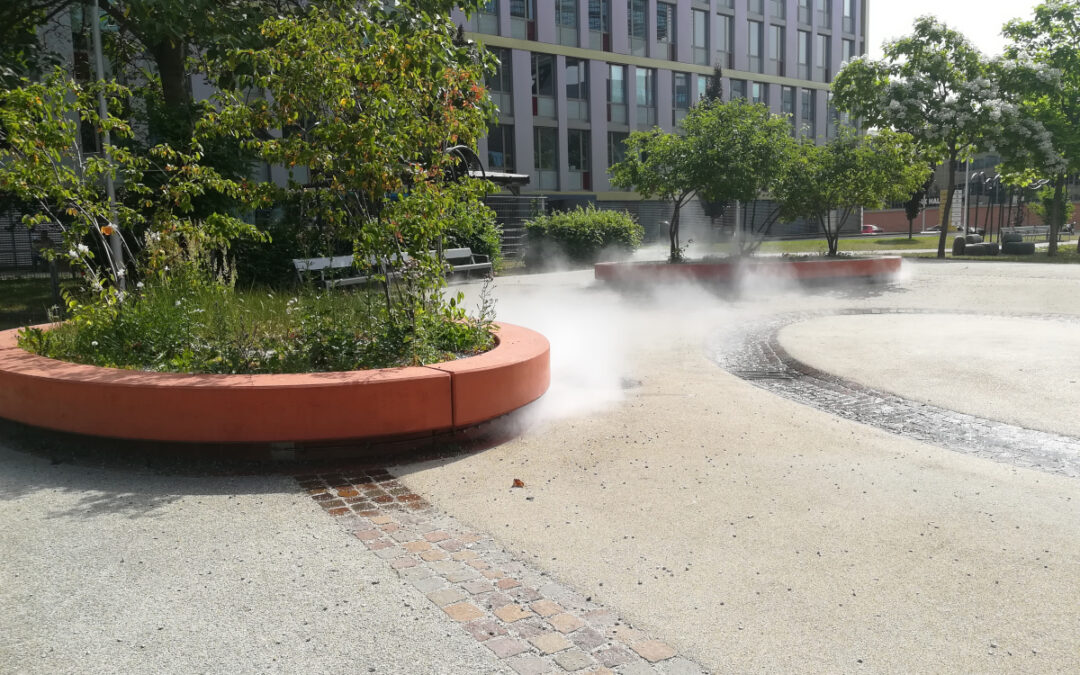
967 196
115 244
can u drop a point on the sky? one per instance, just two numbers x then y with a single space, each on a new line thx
979 20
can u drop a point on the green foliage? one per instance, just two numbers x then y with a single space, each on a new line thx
581 236
1045 203
369 98
1041 74
42 164
192 323
933 85
828 183
728 152
477 230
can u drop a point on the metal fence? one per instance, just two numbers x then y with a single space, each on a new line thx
511 212
20 247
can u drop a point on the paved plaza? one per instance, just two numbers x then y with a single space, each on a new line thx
877 478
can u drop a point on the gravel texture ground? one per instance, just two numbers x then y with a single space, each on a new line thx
747 531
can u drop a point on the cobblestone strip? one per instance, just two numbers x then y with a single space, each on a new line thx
753 353
530 621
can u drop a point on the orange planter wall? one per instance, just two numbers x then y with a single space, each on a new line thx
273 408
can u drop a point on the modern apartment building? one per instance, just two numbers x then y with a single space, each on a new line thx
577 76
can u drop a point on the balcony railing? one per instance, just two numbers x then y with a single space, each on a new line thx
544 106
547 180
600 41
616 113
646 116
577 109
568 35
522 29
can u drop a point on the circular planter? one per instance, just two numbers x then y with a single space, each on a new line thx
726 271
392 402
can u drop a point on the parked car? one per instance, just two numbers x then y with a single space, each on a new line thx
871 229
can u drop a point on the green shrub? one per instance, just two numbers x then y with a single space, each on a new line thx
478 232
191 323
581 236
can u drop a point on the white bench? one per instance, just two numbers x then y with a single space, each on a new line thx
1033 231
457 259
464 260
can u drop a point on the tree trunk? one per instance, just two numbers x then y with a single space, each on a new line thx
1057 214
171 61
946 215
910 228
673 232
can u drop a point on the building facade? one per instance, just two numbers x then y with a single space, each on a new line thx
577 76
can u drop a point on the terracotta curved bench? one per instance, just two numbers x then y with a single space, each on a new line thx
725 270
174 407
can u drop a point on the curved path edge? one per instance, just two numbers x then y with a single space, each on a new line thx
311 407
753 352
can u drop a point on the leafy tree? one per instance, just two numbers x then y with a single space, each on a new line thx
1041 71
42 164
728 152
827 183
1046 202
915 203
714 88
368 99
933 85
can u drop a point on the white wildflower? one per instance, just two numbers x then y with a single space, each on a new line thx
94 343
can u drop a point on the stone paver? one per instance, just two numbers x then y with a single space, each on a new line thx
549 643
534 624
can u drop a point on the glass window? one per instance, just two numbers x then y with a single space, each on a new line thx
787 100
523 9
754 46
681 83
577 151
577 86
616 150
646 86
778 8
665 22
501 147
543 75
502 79
755 6
700 36
808 123
638 25
702 86
701 27
848 47
759 93
724 40
566 13
600 16
804 55
738 89
776 50
616 84
546 148
821 58
805 11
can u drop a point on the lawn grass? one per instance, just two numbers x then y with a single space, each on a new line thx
27 301
888 243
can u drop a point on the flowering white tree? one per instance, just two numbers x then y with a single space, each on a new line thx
1041 72
933 85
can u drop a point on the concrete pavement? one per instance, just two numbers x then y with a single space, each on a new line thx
750 533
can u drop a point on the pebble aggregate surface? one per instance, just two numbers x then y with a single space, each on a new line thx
712 505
